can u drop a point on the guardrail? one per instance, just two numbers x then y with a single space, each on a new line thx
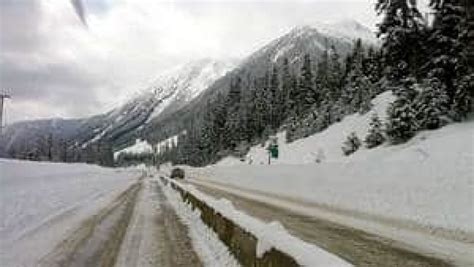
241 243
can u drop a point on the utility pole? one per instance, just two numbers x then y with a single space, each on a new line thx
3 96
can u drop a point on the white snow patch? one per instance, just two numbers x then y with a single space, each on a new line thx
282 51
97 137
167 143
140 146
207 244
165 102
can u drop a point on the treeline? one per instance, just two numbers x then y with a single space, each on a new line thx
130 159
426 63
51 148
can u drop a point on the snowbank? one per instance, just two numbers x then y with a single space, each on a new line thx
210 249
429 180
39 202
269 235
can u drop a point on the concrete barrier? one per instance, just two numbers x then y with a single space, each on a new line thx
241 243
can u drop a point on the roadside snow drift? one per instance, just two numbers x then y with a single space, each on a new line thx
269 235
428 181
40 202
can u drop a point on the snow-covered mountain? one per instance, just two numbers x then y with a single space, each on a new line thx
182 84
170 91
162 109
348 29
313 39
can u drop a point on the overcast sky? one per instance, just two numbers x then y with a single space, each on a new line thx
54 65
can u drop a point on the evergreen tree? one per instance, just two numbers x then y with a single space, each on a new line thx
351 145
322 78
402 123
358 90
291 128
335 75
463 98
209 137
372 66
275 99
375 135
431 105
400 28
219 111
307 92
232 127
444 42
287 91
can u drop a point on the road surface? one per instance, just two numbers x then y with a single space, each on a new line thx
138 228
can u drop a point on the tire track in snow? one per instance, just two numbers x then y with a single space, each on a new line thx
96 242
156 237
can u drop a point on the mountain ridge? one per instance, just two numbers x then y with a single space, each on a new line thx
161 109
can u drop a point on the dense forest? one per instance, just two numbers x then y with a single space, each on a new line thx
426 61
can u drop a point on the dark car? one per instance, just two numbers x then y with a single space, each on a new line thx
177 173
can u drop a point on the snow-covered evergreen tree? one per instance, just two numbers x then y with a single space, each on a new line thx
334 76
399 30
209 135
463 102
358 91
445 60
287 88
291 128
402 123
431 105
307 93
275 95
233 134
375 136
351 145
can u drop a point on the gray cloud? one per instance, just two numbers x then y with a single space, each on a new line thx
19 25
32 73
53 66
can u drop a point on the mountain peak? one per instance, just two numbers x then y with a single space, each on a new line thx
347 28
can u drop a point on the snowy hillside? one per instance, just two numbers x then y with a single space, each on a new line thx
324 146
169 92
185 82
429 180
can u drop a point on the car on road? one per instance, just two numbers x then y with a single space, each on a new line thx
177 173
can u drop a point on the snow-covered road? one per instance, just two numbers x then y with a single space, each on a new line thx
155 236
55 214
